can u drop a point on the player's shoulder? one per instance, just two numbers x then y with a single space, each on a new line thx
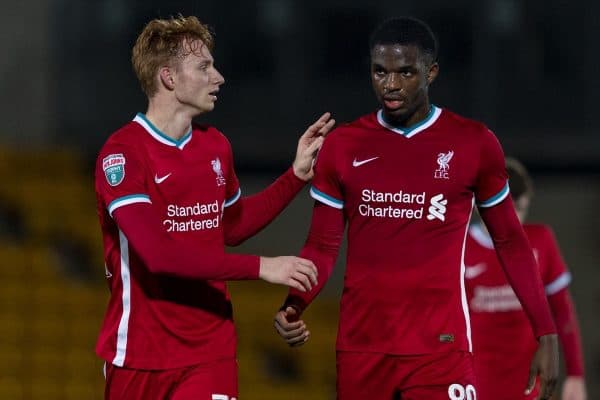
209 131
127 136
348 130
464 124
538 231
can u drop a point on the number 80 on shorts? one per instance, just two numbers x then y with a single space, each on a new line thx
460 392
222 397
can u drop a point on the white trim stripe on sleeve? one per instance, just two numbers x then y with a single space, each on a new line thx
233 198
558 284
492 201
125 200
326 199
463 292
123 329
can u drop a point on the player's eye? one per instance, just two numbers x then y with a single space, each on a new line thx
378 71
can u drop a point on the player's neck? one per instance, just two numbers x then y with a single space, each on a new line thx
418 116
170 121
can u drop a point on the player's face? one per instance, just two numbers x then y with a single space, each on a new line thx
196 80
401 76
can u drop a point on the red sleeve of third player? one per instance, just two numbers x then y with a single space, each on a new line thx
556 279
554 272
491 186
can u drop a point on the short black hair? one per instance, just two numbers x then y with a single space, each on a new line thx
519 180
406 31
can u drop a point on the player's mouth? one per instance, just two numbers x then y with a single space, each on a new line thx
213 94
393 103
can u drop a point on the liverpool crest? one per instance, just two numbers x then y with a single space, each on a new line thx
443 160
216 166
114 168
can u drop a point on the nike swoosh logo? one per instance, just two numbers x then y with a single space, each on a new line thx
475 270
162 178
357 163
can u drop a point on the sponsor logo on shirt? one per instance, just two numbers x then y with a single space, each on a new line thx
195 217
443 160
401 205
437 208
216 166
494 299
114 168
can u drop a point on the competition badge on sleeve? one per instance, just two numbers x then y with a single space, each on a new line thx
216 165
114 168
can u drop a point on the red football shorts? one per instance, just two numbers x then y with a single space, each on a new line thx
214 381
445 376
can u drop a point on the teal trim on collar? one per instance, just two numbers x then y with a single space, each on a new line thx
178 143
430 119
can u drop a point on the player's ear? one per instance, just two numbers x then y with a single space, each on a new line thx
166 77
434 68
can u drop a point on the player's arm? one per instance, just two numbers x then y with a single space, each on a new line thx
557 278
322 247
518 262
161 254
249 215
565 318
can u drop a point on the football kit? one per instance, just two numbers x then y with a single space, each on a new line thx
169 306
503 343
406 196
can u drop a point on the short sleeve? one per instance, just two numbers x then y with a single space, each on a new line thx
554 272
491 186
120 177
232 188
326 186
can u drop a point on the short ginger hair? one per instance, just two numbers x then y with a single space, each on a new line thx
165 40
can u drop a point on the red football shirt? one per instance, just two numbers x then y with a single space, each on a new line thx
407 196
158 321
503 342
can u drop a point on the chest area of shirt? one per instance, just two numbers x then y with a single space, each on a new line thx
187 175
413 167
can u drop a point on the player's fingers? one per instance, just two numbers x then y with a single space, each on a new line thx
290 333
310 272
286 329
547 388
299 340
531 380
315 145
282 320
327 127
315 127
296 285
307 263
303 279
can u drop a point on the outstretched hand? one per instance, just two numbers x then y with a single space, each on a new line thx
544 364
295 272
290 327
309 144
